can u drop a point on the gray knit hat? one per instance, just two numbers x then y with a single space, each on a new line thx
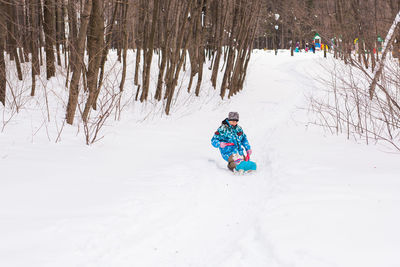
233 116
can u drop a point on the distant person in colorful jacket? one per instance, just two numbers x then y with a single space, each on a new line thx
297 49
230 139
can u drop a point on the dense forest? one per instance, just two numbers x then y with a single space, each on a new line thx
169 38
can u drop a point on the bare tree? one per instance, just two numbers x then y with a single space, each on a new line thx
48 27
33 11
95 44
148 50
3 81
80 46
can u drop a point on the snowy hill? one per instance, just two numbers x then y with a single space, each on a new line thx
156 193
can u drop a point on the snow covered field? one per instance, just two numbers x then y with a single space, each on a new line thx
156 193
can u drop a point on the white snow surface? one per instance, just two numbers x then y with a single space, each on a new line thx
156 193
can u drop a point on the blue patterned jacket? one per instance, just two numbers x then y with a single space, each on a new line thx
230 134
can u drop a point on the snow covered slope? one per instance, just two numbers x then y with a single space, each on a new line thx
156 193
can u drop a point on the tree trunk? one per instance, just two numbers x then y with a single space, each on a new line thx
39 21
3 81
48 27
95 41
124 45
58 26
200 48
229 61
137 66
12 21
221 25
149 53
80 47
34 45
73 33
161 73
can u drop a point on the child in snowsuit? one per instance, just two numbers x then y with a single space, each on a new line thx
230 139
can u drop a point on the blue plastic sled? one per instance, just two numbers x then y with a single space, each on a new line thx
246 166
